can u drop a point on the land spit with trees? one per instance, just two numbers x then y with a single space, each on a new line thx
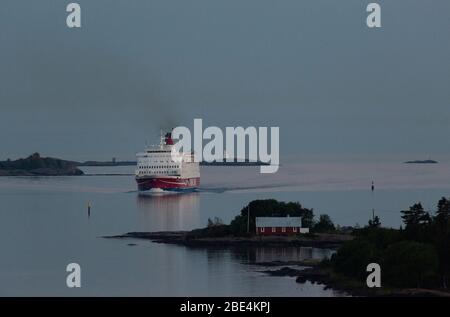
36 165
414 259
241 231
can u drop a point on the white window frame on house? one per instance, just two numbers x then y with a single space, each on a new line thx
294 229
262 229
274 229
283 229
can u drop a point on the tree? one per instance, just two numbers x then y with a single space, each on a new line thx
325 224
214 223
353 256
415 216
443 211
410 264
375 223
307 218
440 233
442 243
269 208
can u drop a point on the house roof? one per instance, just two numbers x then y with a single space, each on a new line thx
278 221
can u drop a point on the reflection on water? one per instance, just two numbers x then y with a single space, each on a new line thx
239 271
47 221
269 254
56 231
265 254
169 212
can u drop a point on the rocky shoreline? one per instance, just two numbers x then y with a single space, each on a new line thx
315 273
309 270
35 165
320 240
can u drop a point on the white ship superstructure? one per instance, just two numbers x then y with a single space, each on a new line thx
161 168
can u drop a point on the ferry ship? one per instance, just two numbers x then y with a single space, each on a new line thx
161 170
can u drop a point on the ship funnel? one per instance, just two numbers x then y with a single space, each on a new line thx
168 139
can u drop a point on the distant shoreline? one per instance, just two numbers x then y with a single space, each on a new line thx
35 165
105 163
421 162
134 163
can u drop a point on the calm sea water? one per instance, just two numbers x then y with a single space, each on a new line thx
44 226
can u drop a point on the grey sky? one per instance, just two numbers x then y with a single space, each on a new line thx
311 67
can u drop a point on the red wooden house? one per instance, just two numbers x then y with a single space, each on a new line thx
279 226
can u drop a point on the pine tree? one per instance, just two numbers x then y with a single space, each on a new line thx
443 212
415 216
441 235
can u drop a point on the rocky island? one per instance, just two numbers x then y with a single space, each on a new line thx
35 165
422 162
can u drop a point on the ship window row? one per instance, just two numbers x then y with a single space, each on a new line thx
161 172
159 166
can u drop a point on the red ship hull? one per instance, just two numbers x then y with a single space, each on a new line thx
167 183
